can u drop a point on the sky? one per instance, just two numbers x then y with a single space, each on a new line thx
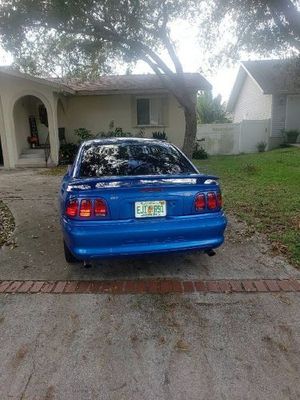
191 53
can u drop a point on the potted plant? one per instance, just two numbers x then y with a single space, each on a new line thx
261 146
199 153
160 135
33 141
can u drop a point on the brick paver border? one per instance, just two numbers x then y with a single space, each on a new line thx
151 286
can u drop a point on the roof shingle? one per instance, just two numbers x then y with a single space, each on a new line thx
119 83
275 76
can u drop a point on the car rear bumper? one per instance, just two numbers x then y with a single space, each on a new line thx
100 239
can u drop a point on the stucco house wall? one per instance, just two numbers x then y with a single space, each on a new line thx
12 88
97 106
22 130
97 112
252 104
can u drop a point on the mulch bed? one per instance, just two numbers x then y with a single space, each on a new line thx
7 224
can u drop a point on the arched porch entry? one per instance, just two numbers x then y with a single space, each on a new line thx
31 130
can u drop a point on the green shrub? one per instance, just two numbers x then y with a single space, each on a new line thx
261 146
291 135
159 135
67 153
118 132
141 133
199 152
83 134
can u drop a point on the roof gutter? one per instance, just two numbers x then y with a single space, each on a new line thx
61 87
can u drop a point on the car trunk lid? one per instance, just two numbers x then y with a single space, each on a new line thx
122 193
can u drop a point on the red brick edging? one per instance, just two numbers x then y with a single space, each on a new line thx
152 286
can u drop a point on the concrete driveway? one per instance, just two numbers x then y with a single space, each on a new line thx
38 250
137 346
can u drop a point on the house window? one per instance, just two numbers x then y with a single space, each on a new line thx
149 111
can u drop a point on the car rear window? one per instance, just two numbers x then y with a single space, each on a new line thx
132 159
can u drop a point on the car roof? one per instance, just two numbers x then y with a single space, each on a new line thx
126 140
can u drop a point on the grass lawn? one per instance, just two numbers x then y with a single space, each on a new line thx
263 189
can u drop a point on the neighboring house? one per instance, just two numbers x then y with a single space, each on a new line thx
30 105
268 89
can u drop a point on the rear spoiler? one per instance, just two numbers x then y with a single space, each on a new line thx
137 180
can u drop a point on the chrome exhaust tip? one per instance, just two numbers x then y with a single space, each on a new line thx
210 252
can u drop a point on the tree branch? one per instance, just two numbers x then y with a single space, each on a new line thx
290 12
171 84
170 48
173 81
284 31
165 34
292 17
111 34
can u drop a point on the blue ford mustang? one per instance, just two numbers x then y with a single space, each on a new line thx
135 196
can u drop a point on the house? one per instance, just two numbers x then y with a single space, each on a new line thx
34 110
268 89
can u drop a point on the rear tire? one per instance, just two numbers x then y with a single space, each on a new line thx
69 256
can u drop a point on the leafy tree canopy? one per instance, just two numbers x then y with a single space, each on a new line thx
88 36
211 110
231 28
85 37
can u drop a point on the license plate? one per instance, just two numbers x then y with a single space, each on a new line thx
146 209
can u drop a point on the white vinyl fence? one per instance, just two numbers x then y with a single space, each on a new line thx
234 138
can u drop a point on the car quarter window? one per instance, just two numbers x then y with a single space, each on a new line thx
132 159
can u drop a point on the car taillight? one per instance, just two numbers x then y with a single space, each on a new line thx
100 209
72 208
85 208
211 200
200 202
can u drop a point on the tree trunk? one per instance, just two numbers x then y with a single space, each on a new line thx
176 84
190 131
